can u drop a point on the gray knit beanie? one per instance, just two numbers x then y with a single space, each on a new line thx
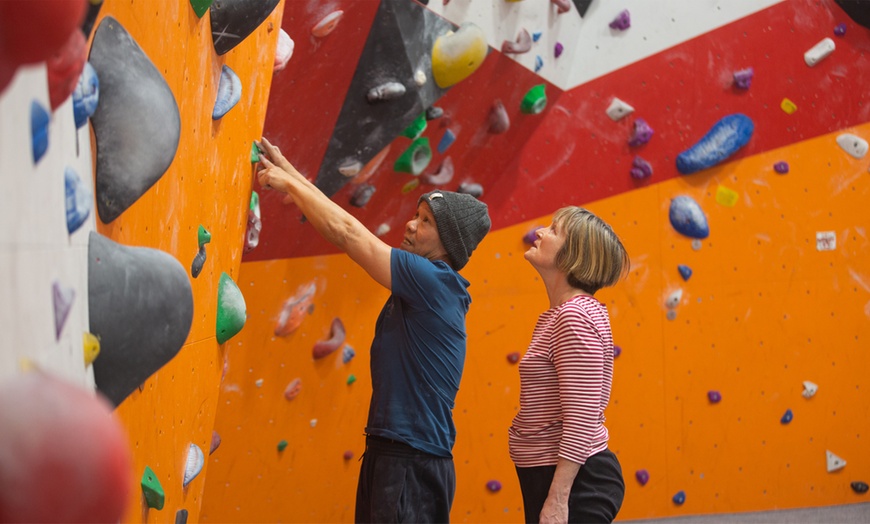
462 222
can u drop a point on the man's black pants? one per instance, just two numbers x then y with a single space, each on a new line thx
398 483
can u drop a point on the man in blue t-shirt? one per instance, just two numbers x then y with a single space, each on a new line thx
417 355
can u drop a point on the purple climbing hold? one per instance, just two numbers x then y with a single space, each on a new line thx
743 78
63 302
493 485
685 271
840 29
680 497
859 487
557 51
622 21
640 169
617 351
642 476
499 121
714 396
786 417
641 133
781 167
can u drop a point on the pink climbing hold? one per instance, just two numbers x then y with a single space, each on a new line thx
293 389
324 348
443 175
499 121
521 45
562 6
514 357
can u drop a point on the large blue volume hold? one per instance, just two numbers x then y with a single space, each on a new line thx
723 140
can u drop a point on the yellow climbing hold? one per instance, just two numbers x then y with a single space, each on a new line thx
91 348
456 55
726 196
788 106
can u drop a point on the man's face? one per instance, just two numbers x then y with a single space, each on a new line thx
421 235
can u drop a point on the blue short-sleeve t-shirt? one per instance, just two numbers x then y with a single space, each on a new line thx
418 353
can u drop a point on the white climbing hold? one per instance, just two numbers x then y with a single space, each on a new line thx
819 52
420 77
195 460
853 144
619 109
809 389
834 462
674 299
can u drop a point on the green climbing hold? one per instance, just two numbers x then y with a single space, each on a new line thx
255 153
152 489
203 236
282 445
200 6
231 313
416 128
255 201
535 100
351 379
415 159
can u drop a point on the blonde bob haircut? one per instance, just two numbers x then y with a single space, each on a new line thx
592 256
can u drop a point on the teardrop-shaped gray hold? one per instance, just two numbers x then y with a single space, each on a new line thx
140 306
229 93
233 20
137 124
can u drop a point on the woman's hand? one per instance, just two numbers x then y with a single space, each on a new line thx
553 512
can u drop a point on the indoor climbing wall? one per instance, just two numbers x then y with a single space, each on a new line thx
128 156
726 142
733 166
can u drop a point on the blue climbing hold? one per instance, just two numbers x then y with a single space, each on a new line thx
723 140
78 200
229 93
786 417
539 63
86 95
446 141
347 354
39 130
685 271
687 217
680 497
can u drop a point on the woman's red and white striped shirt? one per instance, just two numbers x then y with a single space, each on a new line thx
565 380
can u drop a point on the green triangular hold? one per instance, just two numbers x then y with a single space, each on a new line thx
416 128
203 236
200 6
255 153
152 489
231 313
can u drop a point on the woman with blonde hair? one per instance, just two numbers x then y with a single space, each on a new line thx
558 440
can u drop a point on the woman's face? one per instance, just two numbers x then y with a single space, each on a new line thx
549 240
